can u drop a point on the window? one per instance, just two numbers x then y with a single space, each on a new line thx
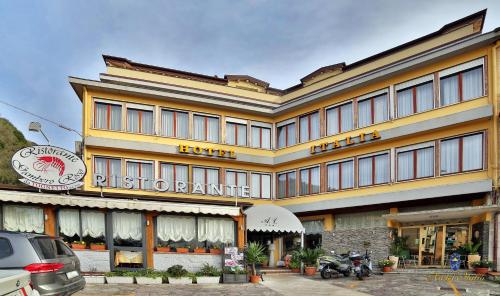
173 173
108 116
216 230
309 127
462 86
175 230
462 154
340 175
23 218
81 225
142 174
339 119
5 248
415 99
206 128
51 248
309 181
286 135
261 137
174 124
236 134
140 121
373 110
127 229
206 177
237 179
111 168
361 220
417 163
286 185
260 186
374 170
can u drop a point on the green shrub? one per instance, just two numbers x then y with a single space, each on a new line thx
482 264
385 263
149 273
120 273
310 256
208 270
177 271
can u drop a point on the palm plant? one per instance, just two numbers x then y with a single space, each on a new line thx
310 256
255 254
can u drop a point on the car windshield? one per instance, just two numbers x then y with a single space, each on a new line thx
50 248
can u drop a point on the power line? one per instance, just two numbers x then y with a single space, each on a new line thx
43 118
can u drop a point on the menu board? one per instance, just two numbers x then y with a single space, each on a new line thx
233 258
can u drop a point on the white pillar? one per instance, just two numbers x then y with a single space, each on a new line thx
302 247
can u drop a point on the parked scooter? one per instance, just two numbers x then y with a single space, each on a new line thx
334 265
362 264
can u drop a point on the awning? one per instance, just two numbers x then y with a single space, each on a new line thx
115 203
450 213
271 218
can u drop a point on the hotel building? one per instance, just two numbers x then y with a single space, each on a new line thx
404 142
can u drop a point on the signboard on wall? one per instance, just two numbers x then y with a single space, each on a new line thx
233 259
49 168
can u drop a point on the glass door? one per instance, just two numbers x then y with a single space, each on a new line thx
413 242
127 240
431 245
456 237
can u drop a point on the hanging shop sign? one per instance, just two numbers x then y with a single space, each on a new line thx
215 152
348 141
49 167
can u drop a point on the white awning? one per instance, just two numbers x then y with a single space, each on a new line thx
115 203
450 213
271 218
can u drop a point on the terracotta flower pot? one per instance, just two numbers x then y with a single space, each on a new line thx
296 270
255 279
387 269
200 250
182 250
310 270
97 247
163 249
481 270
216 251
78 246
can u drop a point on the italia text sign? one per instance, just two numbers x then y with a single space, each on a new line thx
348 141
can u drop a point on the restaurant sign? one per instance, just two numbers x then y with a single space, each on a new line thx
348 141
215 152
49 167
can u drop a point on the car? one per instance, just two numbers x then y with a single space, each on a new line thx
54 268
15 282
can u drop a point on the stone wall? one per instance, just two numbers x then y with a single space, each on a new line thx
191 262
93 261
483 229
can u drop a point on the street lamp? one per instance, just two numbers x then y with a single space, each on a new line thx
37 127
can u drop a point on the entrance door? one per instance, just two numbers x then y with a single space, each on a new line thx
431 245
413 243
127 240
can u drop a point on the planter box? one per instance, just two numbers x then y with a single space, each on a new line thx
230 278
216 251
182 250
481 270
142 280
78 247
208 279
180 281
97 247
120 279
163 249
200 250
94 279
472 258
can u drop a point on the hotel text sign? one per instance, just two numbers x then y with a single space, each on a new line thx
348 141
186 149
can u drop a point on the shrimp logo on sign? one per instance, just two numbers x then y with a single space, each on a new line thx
49 167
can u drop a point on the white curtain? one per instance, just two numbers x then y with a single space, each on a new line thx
364 113
127 226
242 134
101 115
282 137
133 172
304 129
333 177
282 185
291 184
113 176
304 182
425 97
212 178
167 123
473 152
314 126
23 218
425 162
116 117
167 173
266 138
147 122
381 111
93 224
332 121
472 84
365 171
346 117
361 220
382 169
199 127
230 133
175 228
313 227
314 180
449 90
199 175
405 165
101 167
213 129
405 102
216 230
347 168
132 120
147 172
69 222
449 156
266 186
292 139
231 180
182 125
260 186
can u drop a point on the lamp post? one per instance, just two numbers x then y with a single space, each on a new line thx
37 127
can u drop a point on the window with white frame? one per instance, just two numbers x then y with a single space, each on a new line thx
23 218
142 174
81 225
462 83
373 110
206 177
108 116
172 173
462 154
111 168
309 180
286 134
309 127
236 133
415 99
235 178
206 128
374 169
140 120
260 186
286 184
415 163
339 119
340 175
174 124
261 137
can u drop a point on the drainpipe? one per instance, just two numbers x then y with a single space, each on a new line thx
495 81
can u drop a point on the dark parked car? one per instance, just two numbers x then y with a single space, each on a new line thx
54 268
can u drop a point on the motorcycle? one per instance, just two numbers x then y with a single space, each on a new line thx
362 264
334 264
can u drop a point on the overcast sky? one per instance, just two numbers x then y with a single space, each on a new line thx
44 42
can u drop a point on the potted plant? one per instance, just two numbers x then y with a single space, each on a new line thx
215 249
178 275
310 258
386 265
78 245
294 265
148 277
398 246
208 275
482 266
255 254
471 250
162 248
233 275
182 249
198 249
98 246
120 277
93 277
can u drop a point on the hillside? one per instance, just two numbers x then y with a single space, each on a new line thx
11 140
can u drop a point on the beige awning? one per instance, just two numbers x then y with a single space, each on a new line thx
115 203
450 213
